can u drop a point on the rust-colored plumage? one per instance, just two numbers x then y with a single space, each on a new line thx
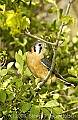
39 65
35 65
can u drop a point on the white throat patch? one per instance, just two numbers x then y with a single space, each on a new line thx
37 48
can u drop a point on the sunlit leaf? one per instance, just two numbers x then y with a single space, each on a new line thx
73 101
72 79
19 83
51 103
60 86
19 58
35 110
72 71
56 96
74 40
19 61
3 72
25 22
26 106
57 110
14 115
51 1
2 7
51 10
6 83
46 112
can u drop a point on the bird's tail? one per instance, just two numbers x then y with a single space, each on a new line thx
63 79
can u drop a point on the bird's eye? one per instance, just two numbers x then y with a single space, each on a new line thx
39 44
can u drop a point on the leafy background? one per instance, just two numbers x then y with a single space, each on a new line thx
42 18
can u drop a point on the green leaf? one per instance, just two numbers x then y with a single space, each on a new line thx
18 66
58 117
25 22
11 96
2 95
55 96
73 101
26 106
2 20
72 71
14 116
10 65
33 91
51 10
35 110
60 86
68 20
19 83
53 25
27 72
20 52
51 1
46 112
37 80
75 40
19 58
72 79
60 11
19 61
76 91
3 72
51 103
6 110
1 118
10 18
5 83
57 110
2 7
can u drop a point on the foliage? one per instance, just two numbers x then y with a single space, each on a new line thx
17 82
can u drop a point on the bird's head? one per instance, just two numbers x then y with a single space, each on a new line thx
39 47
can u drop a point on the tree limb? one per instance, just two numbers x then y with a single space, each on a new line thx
38 38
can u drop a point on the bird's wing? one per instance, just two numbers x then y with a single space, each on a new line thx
45 62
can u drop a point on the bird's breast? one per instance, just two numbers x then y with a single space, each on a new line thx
35 66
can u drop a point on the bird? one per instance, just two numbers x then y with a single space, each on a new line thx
39 65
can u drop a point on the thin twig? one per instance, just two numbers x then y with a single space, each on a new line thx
68 7
62 24
73 109
38 38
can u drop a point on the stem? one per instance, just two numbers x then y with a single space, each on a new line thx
38 38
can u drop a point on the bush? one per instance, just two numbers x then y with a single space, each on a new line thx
17 84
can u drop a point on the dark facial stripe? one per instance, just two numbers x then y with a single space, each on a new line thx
34 49
40 49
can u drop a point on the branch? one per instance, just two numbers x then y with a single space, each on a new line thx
39 86
38 38
62 24
68 7
73 109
